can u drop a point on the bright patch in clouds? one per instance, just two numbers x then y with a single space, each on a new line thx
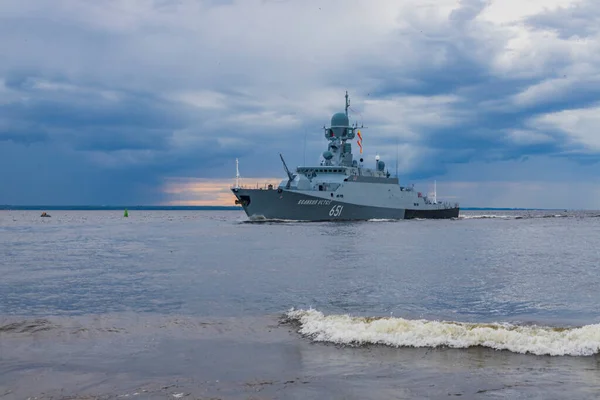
510 11
524 137
208 192
151 102
202 99
580 126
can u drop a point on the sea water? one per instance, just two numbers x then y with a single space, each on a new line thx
207 304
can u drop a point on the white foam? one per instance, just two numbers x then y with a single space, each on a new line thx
486 216
400 332
262 218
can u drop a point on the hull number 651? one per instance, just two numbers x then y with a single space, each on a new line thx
336 211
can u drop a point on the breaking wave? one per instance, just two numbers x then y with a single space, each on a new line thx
400 332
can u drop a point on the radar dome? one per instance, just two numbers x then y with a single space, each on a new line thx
339 119
327 155
380 165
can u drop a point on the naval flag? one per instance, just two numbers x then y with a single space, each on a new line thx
359 141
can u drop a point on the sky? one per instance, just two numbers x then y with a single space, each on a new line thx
149 102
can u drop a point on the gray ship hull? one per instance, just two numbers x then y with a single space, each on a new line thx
339 187
291 205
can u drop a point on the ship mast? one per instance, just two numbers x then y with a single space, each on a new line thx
347 103
396 157
237 174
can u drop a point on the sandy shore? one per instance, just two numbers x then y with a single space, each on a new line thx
160 357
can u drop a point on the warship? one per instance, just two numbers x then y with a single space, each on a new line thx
340 188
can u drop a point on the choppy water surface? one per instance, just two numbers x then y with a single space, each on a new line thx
204 303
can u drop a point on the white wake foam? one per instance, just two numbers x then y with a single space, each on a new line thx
262 218
400 332
487 216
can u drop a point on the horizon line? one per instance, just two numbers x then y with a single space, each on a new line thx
67 207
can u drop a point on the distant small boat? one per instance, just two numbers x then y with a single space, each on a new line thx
44 214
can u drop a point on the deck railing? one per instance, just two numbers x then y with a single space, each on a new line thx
274 186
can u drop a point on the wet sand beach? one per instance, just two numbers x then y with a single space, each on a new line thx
260 358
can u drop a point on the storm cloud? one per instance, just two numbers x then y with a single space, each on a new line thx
119 102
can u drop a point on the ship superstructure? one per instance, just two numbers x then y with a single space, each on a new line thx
340 187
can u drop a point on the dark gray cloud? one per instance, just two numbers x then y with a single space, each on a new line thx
24 136
46 174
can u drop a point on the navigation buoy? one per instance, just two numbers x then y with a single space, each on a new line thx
126 214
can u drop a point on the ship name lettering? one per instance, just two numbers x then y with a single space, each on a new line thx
314 202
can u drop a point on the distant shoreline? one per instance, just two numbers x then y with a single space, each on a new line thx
207 208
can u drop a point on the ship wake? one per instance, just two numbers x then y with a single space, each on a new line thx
490 216
260 219
400 332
